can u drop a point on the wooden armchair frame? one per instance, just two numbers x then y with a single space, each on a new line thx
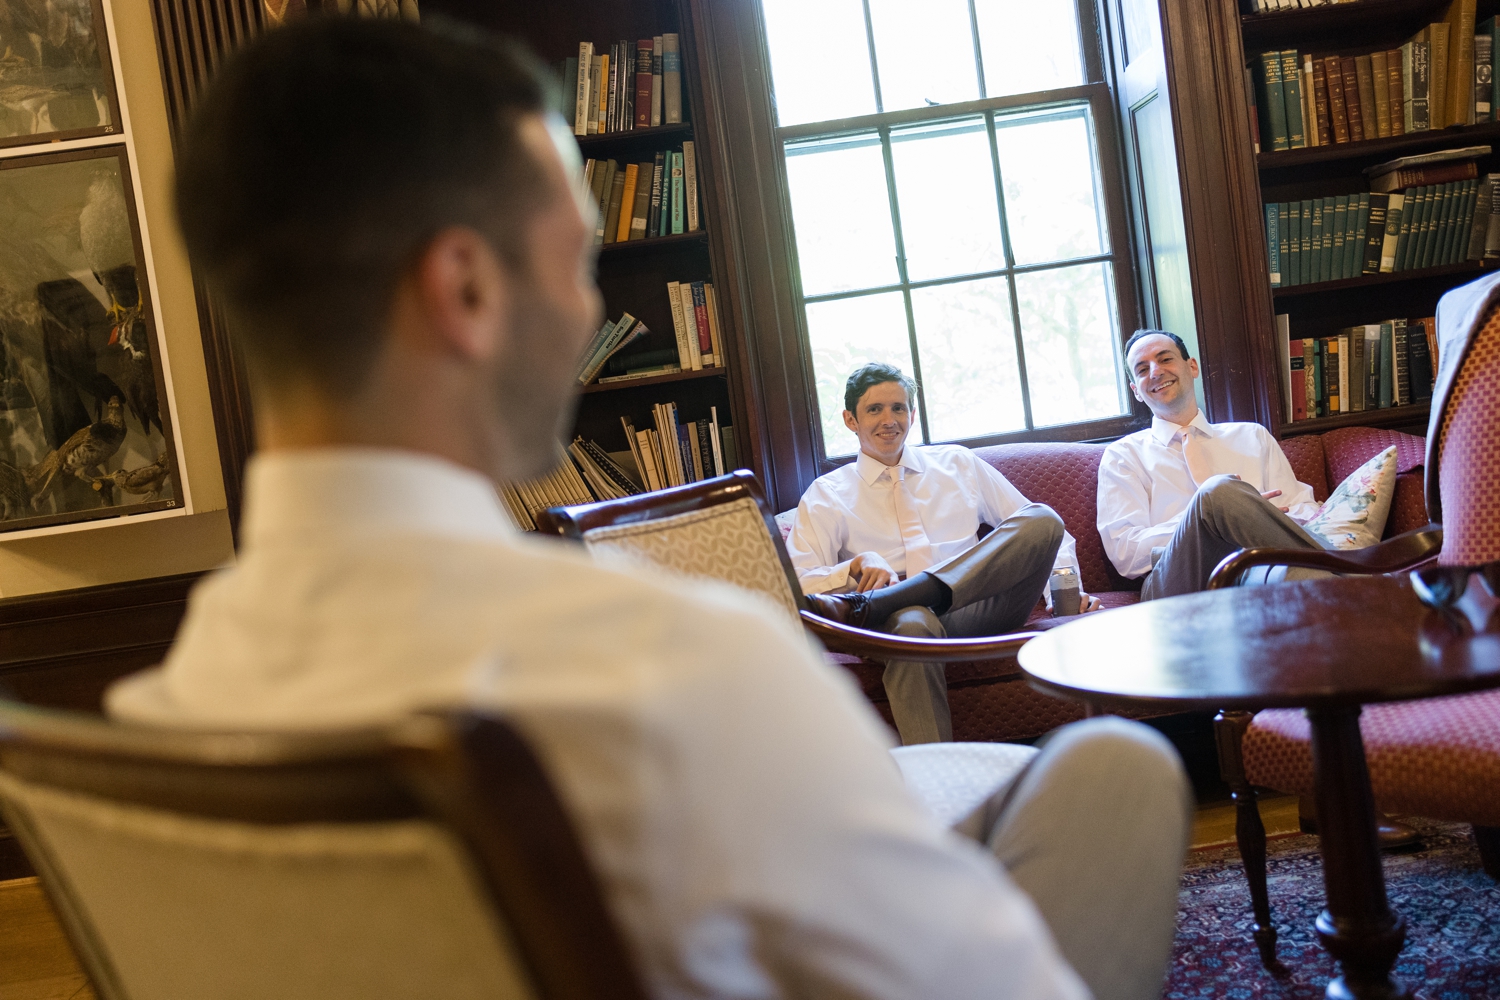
572 522
471 773
1394 555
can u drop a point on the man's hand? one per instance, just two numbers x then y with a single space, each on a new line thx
1087 603
1272 495
870 572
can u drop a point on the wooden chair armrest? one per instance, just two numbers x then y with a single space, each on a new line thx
880 646
1404 551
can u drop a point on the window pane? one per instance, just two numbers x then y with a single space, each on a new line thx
842 213
971 382
1028 46
820 60
925 52
945 187
1051 191
1072 346
845 334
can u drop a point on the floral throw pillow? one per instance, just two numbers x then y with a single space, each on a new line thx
1353 517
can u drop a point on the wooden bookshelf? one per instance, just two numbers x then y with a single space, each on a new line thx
1394 417
1468 268
610 143
645 380
652 244
1368 152
1337 24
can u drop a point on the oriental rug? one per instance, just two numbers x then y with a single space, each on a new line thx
1452 911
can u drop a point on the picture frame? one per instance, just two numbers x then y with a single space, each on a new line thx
57 80
86 429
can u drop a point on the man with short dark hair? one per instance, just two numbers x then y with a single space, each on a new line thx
891 541
1176 498
393 223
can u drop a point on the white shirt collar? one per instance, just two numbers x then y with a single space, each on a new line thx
1164 430
321 491
870 469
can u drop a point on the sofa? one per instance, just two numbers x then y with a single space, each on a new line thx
990 700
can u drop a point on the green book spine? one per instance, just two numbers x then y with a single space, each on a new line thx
677 193
1340 234
1441 203
1329 229
1450 224
1418 220
1444 228
1393 221
1273 134
1463 224
1281 223
1306 264
1387 384
1316 267
1409 214
1374 234
1273 243
1293 256
1354 245
1291 88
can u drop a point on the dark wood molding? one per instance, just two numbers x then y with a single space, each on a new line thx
1221 209
192 39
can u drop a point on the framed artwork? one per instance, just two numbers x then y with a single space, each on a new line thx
56 81
85 431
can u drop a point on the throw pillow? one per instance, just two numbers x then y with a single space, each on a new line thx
1354 516
785 520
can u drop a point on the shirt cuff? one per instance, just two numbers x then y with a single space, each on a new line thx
826 581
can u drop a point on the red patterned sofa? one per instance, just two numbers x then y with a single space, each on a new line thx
990 700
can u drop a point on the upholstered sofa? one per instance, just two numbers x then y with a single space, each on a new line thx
990 700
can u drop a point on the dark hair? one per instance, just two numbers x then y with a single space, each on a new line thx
1142 335
323 158
873 374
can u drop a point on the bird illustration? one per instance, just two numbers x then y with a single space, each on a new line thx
145 481
104 236
83 453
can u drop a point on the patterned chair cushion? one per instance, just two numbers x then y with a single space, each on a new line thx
952 780
726 542
1439 757
1309 462
1470 455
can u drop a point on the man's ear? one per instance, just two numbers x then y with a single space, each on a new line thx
1193 366
1135 390
850 422
463 293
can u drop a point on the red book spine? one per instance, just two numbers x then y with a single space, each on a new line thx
643 83
700 313
1299 382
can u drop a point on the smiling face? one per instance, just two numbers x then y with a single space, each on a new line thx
881 419
1162 378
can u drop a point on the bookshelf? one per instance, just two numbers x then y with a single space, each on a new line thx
633 275
1322 309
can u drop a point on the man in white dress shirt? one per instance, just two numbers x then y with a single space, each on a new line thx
891 541
1179 496
392 221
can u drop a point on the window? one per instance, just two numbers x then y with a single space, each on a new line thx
952 180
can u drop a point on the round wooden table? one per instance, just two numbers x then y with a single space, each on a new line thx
1328 646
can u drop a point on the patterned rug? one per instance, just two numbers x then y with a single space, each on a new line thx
1452 912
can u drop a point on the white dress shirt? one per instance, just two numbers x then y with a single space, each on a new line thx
852 510
1144 484
732 789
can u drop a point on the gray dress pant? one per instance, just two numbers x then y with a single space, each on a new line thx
995 584
1095 830
1224 516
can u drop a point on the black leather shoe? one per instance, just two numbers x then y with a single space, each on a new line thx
846 609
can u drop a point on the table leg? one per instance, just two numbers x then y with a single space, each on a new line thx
1358 927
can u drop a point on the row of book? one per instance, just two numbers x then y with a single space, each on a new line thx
695 322
609 340
1443 76
1329 239
1366 367
676 452
633 85
653 198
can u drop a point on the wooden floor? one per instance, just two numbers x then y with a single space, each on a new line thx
37 964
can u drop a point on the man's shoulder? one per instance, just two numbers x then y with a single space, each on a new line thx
1245 430
1129 444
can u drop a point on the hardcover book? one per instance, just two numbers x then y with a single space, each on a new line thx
671 80
1380 81
1334 76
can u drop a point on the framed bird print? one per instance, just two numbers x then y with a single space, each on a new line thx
56 81
84 426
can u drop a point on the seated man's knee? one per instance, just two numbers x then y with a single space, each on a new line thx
1039 525
915 622
1121 755
1223 492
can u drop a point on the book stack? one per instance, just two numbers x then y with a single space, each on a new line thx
677 452
695 320
656 197
558 488
1442 76
634 85
1366 367
609 341
1432 223
606 479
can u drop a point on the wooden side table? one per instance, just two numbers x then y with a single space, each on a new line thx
1329 646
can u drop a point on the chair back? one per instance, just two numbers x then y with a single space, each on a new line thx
432 860
1468 446
719 529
